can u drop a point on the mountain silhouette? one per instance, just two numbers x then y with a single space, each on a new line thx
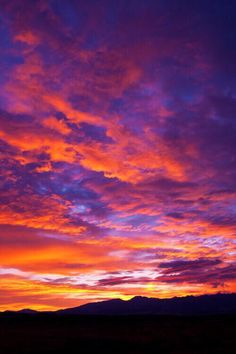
28 311
138 305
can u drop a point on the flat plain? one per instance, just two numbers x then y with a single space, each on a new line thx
34 334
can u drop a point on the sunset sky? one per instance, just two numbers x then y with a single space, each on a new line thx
118 150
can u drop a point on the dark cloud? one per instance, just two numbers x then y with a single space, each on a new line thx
200 271
175 215
182 265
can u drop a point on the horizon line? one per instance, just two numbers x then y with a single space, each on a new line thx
113 299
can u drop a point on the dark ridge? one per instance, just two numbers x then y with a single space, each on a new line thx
138 305
189 305
28 311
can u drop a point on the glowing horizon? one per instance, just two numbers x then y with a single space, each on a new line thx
118 145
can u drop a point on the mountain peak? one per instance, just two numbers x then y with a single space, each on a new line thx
140 299
189 305
27 311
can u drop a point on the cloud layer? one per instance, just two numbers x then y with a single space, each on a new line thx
117 140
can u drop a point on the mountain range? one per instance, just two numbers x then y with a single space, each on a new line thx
138 305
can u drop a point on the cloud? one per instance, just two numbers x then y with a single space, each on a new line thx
202 270
178 266
117 138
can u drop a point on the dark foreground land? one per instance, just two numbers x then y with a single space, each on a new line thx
46 334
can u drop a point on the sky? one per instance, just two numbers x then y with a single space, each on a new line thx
118 150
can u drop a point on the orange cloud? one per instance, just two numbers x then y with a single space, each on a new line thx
27 37
57 125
